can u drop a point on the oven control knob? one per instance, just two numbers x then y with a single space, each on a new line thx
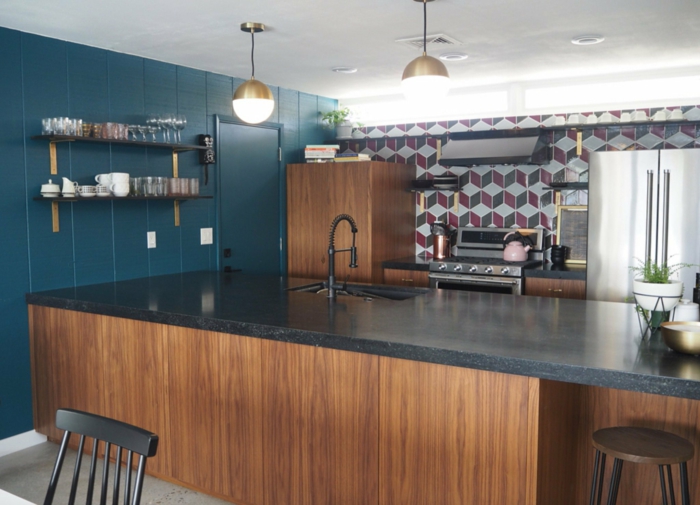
458 268
488 270
473 268
505 270
442 266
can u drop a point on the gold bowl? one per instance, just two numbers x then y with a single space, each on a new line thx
682 336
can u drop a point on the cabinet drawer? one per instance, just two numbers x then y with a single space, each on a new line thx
555 288
417 278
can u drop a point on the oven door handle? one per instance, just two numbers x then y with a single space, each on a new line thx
472 280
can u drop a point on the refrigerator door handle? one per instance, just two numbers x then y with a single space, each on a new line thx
650 199
667 193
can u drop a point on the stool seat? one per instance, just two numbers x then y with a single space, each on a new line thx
643 445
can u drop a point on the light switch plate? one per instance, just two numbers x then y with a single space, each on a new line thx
151 239
206 236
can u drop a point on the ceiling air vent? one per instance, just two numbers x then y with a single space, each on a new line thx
432 41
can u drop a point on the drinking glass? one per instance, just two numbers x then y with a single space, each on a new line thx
174 186
161 186
57 125
194 186
149 186
165 121
142 130
133 129
46 128
153 129
179 123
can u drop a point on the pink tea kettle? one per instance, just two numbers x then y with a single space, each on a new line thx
516 246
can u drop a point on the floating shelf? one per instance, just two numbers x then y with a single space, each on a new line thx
73 199
568 187
53 163
162 145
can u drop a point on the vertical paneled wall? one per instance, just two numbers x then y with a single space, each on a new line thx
102 241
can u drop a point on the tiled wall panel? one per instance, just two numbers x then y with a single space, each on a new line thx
511 196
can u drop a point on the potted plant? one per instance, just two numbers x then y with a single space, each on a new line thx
653 287
340 120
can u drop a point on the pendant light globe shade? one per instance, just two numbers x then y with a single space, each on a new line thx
425 78
253 102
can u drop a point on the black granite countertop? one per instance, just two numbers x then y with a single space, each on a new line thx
549 271
408 263
584 342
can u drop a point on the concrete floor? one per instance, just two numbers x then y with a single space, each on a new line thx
26 474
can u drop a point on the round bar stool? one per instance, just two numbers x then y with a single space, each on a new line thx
640 445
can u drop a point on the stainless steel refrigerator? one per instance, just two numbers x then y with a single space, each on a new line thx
641 203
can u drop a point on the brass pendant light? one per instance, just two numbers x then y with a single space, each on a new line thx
425 77
253 101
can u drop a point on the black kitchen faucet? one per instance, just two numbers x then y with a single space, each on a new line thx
332 250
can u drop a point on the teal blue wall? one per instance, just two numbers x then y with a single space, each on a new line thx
102 241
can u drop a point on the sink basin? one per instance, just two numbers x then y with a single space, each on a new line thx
380 292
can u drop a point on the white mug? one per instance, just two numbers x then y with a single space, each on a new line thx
574 119
639 115
686 311
676 114
119 188
606 117
660 115
103 179
592 119
625 117
119 177
560 121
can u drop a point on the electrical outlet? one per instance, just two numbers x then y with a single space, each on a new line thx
206 236
151 239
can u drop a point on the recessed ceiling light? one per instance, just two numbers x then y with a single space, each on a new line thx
344 70
587 40
453 56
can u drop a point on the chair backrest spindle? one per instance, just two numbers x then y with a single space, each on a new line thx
113 433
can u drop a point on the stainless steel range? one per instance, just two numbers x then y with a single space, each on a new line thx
479 264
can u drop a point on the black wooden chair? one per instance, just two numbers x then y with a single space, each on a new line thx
112 433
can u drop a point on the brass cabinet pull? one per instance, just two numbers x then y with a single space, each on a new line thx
406 280
556 290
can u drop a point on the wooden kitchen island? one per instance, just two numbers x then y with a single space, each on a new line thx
266 396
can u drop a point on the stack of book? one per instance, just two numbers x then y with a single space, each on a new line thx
342 157
322 153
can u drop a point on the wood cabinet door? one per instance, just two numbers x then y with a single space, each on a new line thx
415 278
134 368
216 412
453 435
320 427
316 194
67 366
555 288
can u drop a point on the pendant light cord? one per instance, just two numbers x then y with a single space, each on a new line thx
425 26
252 51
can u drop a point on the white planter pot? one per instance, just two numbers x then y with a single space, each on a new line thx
344 131
647 295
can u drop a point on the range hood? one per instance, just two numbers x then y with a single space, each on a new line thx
497 147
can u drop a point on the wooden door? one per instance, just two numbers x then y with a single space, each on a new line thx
67 371
320 427
316 194
454 435
555 288
216 412
135 366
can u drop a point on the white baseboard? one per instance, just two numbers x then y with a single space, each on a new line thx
19 442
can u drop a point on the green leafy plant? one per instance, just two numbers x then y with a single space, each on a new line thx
334 118
651 272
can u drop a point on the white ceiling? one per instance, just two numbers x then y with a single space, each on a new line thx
507 41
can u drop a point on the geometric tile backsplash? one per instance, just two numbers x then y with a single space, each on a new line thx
506 196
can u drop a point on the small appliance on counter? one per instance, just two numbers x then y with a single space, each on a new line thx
480 264
442 239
